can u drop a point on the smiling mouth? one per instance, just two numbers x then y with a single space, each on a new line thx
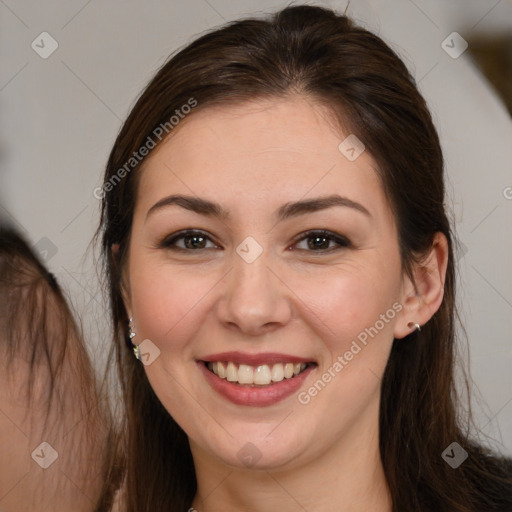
256 376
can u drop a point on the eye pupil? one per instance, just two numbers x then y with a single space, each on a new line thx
320 245
194 241
191 239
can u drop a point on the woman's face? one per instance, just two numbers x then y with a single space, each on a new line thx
252 289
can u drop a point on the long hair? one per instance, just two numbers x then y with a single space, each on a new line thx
322 55
48 391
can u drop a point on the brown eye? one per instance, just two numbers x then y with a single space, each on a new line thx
192 240
319 241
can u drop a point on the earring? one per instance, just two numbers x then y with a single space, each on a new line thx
417 327
131 334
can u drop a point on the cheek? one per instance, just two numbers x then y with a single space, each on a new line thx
167 302
355 313
350 300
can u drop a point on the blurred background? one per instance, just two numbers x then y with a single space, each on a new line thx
70 71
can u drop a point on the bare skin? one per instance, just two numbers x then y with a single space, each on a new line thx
50 456
294 298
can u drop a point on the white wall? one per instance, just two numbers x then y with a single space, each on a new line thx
60 115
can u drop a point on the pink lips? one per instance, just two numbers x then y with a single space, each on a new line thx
255 396
255 359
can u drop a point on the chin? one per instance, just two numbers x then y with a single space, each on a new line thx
256 450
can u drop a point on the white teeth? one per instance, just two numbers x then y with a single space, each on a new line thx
261 375
245 374
277 372
231 372
221 370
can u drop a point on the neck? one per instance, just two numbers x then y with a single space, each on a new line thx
348 475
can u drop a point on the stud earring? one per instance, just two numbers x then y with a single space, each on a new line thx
131 335
417 327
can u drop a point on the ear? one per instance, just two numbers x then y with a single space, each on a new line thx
422 296
125 284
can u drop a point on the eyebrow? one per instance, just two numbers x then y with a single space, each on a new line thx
291 209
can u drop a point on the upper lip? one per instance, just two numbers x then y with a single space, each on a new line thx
255 359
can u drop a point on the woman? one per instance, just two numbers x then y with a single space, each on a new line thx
53 421
280 261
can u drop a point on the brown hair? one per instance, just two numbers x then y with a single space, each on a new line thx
314 52
48 390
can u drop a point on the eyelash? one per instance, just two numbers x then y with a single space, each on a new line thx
343 242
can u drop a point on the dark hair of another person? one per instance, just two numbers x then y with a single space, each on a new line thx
324 57
49 383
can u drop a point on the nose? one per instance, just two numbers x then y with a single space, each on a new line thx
256 299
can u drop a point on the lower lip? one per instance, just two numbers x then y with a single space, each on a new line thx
255 396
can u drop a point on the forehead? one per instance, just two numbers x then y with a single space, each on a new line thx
258 153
